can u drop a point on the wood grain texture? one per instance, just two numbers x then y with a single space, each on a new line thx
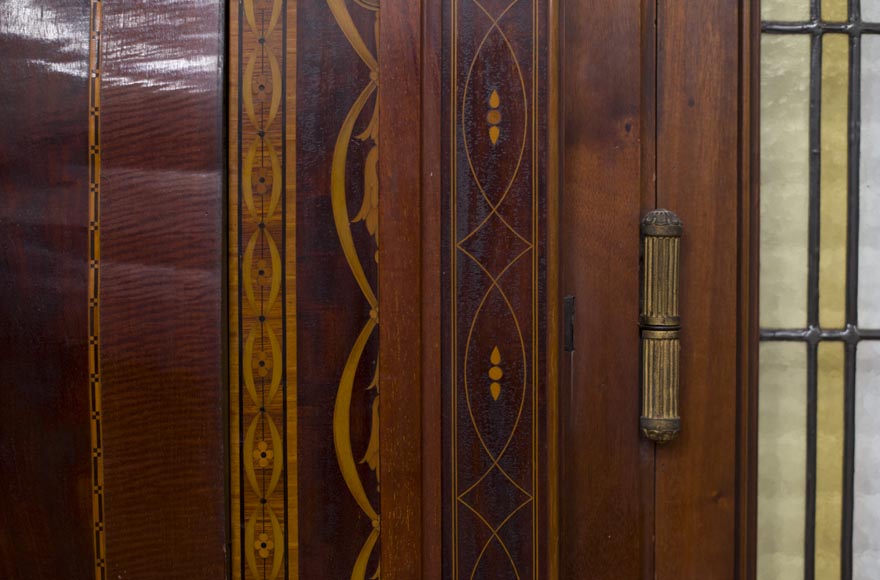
698 177
45 457
162 280
602 482
432 404
331 309
400 271
494 289
748 265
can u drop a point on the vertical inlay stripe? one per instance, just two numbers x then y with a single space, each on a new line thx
95 27
261 273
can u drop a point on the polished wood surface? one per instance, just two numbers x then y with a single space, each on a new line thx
402 288
602 478
337 530
162 320
115 393
698 176
493 284
45 456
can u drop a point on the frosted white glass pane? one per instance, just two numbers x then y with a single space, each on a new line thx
785 10
869 208
782 457
870 11
866 516
785 174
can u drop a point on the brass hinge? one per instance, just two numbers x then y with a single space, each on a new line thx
660 325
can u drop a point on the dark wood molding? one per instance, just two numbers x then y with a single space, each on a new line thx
400 281
749 328
432 422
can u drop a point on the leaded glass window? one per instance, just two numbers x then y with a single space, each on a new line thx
819 402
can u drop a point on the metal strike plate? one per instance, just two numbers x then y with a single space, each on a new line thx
660 325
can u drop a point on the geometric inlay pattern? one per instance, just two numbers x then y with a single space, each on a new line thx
493 281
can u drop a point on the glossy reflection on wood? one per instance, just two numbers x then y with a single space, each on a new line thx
45 457
161 289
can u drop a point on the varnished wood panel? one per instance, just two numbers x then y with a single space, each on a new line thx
402 215
494 288
339 377
45 457
605 530
161 280
698 171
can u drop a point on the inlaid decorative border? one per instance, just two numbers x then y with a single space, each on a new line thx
367 216
94 349
522 242
263 466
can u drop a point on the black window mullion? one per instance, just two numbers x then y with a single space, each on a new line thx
852 290
813 245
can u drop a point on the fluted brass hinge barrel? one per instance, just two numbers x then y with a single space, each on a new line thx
660 324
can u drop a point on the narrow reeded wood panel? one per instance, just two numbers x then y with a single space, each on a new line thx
45 457
494 318
303 310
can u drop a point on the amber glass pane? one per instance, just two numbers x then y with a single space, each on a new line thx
869 190
785 81
782 441
785 9
866 516
835 10
832 254
829 460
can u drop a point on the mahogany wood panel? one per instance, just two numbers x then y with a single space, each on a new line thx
45 456
336 291
402 290
431 427
698 156
304 313
602 481
162 317
495 388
